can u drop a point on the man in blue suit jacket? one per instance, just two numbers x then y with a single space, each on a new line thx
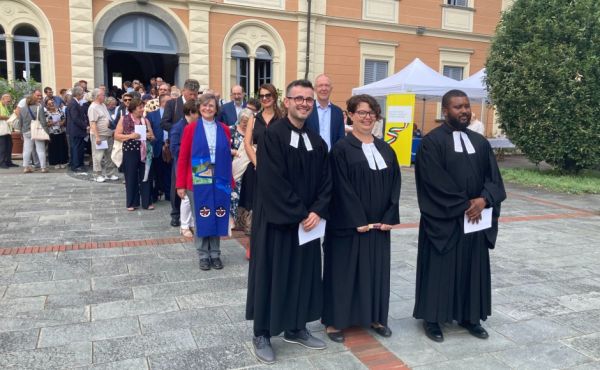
160 170
229 111
326 119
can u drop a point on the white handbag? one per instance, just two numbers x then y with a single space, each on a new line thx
37 131
5 129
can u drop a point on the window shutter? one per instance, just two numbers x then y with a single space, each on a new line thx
375 70
455 73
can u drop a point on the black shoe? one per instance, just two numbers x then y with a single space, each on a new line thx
13 165
384 331
475 330
204 264
336 336
216 263
263 350
175 222
433 331
304 338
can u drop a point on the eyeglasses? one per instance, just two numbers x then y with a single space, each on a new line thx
300 99
265 96
364 113
126 100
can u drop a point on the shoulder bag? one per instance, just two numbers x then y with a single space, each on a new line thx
37 131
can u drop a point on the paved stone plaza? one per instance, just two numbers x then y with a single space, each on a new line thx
150 307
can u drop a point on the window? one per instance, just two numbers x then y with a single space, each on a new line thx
375 70
454 72
262 67
3 61
27 54
240 67
464 3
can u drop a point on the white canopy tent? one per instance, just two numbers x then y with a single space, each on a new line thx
475 86
417 78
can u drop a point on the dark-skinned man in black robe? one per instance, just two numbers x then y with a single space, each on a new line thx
293 190
457 177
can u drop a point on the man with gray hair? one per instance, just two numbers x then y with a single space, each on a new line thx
76 129
102 138
172 114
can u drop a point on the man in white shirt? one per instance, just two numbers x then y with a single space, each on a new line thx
326 119
101 137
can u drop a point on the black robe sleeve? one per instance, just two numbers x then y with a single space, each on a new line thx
441 201
392 214
282 205
321 204
493 192
349 215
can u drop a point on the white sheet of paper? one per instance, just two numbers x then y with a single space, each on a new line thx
103 145
484 223
307 236
165 135
399 114
141 129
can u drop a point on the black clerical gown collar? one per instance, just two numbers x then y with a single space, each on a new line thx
354 141
294 128
449 128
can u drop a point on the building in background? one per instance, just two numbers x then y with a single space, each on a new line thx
246 42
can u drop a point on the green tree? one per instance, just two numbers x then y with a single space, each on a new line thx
543 74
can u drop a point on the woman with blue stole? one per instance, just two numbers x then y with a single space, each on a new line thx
204 174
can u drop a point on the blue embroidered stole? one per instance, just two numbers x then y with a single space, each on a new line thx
212 183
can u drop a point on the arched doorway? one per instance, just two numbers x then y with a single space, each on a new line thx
139 46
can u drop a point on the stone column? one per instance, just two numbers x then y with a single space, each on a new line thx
252 60
10 58
82 41
99 67
198 45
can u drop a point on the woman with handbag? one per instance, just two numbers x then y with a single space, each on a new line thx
33 126
58 150
135 151
5 132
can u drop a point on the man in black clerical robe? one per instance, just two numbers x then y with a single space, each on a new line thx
457 177
293 190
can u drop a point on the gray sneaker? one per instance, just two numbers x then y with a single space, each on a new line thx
263 350
304 338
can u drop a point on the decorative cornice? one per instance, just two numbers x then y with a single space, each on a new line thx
328 20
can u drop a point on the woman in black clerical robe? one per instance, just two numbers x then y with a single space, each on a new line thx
366 190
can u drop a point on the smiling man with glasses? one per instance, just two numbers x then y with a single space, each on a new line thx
293 191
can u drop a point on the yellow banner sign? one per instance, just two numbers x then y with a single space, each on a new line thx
400 114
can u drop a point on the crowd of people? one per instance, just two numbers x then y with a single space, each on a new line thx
286 169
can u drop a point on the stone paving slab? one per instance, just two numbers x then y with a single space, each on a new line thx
111 310
542 356
88 332
218 357
69 356
12 341
143 345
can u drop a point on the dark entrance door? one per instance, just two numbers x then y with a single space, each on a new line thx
140 46
139 66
